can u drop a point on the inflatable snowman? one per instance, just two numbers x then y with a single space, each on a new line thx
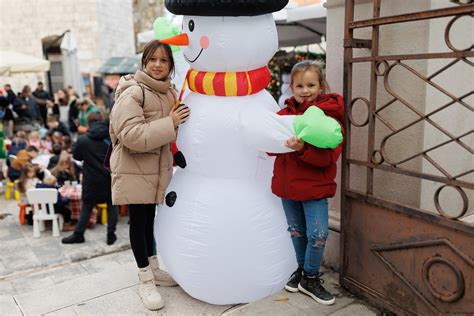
225 239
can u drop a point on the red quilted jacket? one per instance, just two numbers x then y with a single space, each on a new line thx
309 174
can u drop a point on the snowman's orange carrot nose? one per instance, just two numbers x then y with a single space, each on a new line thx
178 40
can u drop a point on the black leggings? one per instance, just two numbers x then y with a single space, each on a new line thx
142 220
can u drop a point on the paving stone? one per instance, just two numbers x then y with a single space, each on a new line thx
9 230
298 303
49 252
17 258
3 269
178 302
76 291
311 307
355 310
123 257
32 282
67 273
9 306
6 288
78 252
265 307
99 264
63 312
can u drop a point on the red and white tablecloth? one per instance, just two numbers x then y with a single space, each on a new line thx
74 193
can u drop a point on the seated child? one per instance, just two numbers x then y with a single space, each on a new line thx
48 142
56 151
35 140
65 170
28 180
62 206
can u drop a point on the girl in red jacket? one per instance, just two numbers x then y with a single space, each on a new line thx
304 179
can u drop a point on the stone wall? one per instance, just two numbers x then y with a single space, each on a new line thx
102 28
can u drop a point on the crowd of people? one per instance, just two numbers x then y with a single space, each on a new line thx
54 141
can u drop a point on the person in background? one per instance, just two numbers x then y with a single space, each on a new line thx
43 100
62 205
11 96
56 151
67 143
56 126
85 109
48 142
57 138
73 110
25 105
28 180
24 157
35 140
91 148
9 114
65 169
62 106
19 142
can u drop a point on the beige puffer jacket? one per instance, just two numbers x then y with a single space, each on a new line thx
141 159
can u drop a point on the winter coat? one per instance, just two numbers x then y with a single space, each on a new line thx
22 159
31 112
41 96
309 174
83 116
92 148
141 160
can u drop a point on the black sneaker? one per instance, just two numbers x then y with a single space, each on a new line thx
73 239
111 238
312 285
294 280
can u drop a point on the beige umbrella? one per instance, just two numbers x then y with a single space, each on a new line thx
14 62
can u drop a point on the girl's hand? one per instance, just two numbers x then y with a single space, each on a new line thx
294 143
180 115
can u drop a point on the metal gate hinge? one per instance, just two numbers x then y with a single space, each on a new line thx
357 43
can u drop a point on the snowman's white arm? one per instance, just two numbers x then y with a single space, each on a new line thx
266 131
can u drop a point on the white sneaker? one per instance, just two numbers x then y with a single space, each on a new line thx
147 290
162 278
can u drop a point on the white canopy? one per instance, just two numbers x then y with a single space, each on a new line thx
13 62
301 25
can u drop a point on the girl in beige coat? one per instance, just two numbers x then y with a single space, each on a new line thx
142 126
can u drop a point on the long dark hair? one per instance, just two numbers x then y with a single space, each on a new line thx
21 184
150 49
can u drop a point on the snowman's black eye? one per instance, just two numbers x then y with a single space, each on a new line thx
191 25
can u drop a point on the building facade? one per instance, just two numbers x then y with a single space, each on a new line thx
101 28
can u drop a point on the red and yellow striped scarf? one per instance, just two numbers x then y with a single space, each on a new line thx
228 84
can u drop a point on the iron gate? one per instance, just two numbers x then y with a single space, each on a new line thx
404 246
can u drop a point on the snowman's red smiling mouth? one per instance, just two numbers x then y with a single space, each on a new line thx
192 61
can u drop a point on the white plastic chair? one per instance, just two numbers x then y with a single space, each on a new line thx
39 198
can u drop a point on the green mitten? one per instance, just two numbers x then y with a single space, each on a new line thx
317 129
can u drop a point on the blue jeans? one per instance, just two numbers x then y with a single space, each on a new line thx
308 226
